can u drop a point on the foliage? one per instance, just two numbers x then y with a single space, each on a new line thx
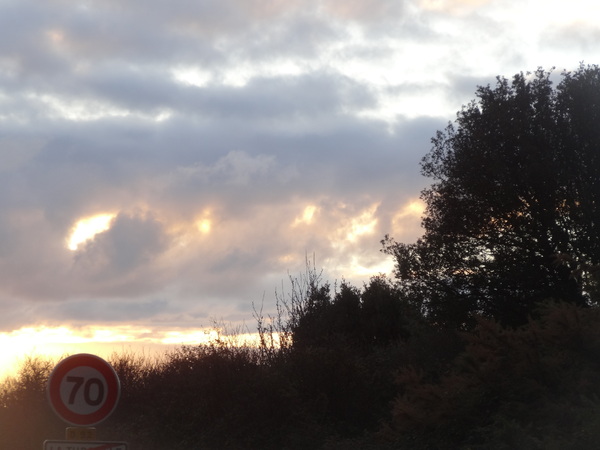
515 187
327 384
533 387
463 351
25 415
375 316
536 386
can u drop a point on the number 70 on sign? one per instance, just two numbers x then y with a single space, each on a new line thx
93 390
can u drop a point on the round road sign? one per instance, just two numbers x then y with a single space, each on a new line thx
83 389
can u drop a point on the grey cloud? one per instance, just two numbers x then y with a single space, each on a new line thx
275 97
279 97
580 37
88 311
178 163
348 159
234 169
53 37
132 241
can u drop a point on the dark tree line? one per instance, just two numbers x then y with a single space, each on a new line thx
513 214
487 337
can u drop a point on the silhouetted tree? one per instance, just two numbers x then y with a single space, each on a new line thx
516 186
374 316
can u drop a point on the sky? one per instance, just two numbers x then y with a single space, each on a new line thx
165 165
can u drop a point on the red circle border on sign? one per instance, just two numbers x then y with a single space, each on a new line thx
113 391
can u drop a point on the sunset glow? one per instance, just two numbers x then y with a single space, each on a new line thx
56 342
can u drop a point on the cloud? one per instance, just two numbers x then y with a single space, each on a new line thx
250 183
580 35
458 7
230 139
131 242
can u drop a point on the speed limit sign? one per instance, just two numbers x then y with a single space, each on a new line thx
83 389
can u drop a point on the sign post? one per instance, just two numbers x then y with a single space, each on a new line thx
83 390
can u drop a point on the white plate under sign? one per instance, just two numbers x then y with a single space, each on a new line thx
84 445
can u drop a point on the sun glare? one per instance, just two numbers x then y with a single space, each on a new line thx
86 229
204 226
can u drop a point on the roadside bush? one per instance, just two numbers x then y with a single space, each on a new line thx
26 418
519 388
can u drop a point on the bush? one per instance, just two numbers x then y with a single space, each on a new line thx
518 388
26 418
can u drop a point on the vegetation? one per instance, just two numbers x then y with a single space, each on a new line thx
516 186
487 337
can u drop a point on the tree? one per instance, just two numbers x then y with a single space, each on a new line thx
374 316
512 216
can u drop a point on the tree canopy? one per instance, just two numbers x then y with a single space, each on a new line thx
513 212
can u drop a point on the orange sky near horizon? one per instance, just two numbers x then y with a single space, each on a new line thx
55 343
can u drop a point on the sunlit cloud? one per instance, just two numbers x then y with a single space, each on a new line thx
307 216
414 208
192 76
359 268
452 6
78 110
408 219
362 224
85 229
